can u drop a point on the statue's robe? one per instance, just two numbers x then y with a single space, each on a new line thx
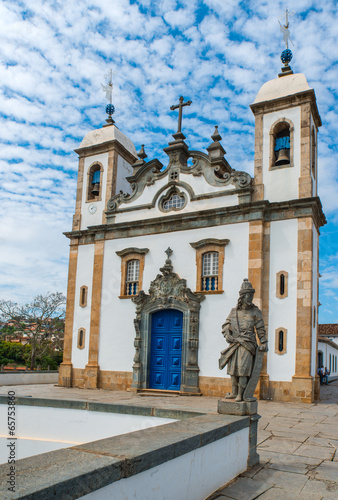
242 325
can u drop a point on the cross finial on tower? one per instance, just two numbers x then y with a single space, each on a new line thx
180 106
108 90
286 55
285 28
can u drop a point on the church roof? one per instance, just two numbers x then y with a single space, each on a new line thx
107 134
282 87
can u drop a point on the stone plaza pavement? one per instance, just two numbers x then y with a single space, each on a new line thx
298 453
297 442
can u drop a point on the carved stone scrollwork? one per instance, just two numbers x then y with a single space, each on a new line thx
226 176
137 342
116 200
194 322
193 349
216 171
167 291
241 179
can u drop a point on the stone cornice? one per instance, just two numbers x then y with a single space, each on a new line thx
104 148
308 96
246 212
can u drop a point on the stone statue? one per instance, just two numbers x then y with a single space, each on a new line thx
240 328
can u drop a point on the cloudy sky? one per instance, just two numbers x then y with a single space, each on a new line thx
54 56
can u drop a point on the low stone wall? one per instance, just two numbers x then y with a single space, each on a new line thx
23 377
189 459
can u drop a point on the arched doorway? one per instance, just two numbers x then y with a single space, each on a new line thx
166 350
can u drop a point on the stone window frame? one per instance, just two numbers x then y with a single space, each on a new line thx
90 172
202 247
278 284
79 344
83 296
285 336
128 254
173 190
274 129
174 174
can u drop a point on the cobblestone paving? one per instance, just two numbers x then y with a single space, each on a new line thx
297 442
298 453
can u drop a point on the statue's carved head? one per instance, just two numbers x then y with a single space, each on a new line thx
246 295
246 287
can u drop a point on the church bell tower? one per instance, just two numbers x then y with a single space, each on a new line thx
285 185
106 156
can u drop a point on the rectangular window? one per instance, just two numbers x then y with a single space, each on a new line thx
132 266
210 271
132 281
209 264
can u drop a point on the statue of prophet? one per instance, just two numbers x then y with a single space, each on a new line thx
244 322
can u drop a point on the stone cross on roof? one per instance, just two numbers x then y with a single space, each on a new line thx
180 106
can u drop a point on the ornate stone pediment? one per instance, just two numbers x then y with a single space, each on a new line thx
212 166
166 288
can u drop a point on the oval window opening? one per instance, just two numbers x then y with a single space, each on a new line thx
282 284
281 341
81 338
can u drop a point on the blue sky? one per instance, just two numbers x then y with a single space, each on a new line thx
218 53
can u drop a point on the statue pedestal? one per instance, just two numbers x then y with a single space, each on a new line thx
232 407
244 408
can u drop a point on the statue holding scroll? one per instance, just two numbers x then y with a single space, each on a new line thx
244 356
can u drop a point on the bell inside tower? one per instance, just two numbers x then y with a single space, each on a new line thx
96 183
282 147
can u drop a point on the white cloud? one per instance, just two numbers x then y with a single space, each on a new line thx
217 53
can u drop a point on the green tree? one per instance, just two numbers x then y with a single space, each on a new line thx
14 353
7 330
42 320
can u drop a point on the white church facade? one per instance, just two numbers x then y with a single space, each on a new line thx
158 254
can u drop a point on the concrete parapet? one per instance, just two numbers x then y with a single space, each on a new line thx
23 378
200 451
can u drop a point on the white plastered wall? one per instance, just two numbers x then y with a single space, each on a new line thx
92 219
281 184
198 185
314 307
84 276
193 476
283 312
116 348
327 350
124 169
314 177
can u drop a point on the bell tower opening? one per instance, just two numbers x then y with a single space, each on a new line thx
94 182
281 138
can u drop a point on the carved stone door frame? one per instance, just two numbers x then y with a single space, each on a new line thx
167 291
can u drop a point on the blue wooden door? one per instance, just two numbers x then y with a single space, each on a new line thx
166 350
